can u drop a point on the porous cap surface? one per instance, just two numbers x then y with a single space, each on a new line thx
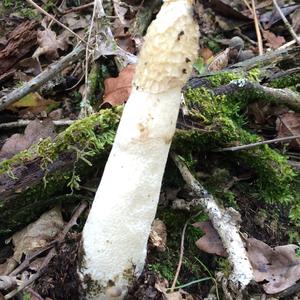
169 50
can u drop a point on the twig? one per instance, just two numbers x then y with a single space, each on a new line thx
7 282
34 84
78 8
286 22
59 239
86 108
35 294
22 123
248 146
55 20
41 270
181 252
258 33
239 32
288 44
226 222
28 259
79 210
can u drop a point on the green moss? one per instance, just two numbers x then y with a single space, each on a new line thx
92 134
28 13
88 140
221 124
12 3
285 81
224 266
225 77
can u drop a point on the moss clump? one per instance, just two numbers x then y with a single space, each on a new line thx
84 143
225 77
285 81
221 124
92 134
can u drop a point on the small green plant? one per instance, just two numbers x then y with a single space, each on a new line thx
224 266
26 296
13 3
28 13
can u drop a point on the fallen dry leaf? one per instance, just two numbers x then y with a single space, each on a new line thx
33 103
34 131
49 44
158 235
38 233
220 61
206 54
210 242
162 286
279 266
288 124
76 21
296 20
273 41
117 90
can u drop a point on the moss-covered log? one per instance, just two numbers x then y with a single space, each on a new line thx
30 179
278 69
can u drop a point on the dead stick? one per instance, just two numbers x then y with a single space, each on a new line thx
55 20
226 222
34 84
22 123
78 8
41 270
59 239
248 146
286 22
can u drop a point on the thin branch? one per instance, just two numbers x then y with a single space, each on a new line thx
257 29
181 252
288 44
286 22
23 123
55 20
35 83
78 8
59 239
27 282
86 108
249 146
226 222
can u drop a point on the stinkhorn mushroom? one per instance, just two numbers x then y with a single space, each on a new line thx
118 226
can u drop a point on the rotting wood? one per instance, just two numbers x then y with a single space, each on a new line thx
20 42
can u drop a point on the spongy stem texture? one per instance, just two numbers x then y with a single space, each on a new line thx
116 232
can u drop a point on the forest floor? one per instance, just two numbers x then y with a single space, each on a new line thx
238 132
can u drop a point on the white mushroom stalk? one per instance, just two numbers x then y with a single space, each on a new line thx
116 232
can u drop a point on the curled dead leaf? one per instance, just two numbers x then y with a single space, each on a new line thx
210 242
49 44
117 90
34 131
288 124
38 233
158 235
279 266
220 61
